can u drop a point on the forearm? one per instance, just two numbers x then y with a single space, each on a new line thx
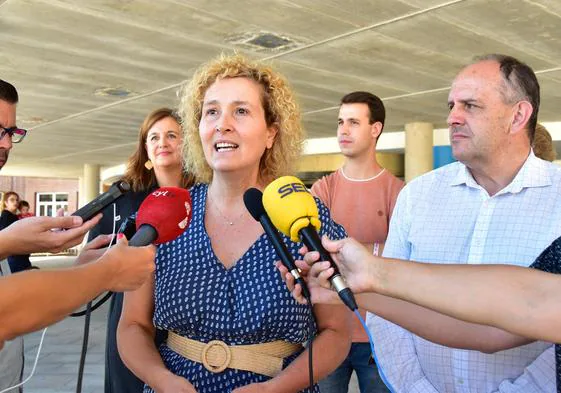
439 328
520 300
139 353
35 299
4 246
330 348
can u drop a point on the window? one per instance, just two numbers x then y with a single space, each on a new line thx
49 202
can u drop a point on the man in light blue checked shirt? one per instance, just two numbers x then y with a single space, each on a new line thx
498 204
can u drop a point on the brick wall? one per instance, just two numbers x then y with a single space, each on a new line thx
28 187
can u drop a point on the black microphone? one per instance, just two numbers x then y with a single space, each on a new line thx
253 200
116 190
146 234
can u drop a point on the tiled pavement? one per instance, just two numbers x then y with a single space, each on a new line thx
57 368
58 361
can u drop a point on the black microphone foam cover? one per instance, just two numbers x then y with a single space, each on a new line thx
253 200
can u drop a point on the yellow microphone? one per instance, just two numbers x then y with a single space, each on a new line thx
290 206
293 211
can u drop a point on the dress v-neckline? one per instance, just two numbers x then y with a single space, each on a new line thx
209 242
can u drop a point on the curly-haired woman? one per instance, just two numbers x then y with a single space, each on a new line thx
216 289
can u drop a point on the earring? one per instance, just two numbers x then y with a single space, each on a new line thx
148 165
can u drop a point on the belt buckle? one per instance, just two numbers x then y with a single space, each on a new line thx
216 356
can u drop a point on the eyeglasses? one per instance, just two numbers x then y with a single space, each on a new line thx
17 134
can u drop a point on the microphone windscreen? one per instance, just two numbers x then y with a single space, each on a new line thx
168 210
290 206
253 200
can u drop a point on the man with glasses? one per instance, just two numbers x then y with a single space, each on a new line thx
9 133
11 356
15 134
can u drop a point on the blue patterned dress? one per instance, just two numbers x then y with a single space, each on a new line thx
550 261
197 297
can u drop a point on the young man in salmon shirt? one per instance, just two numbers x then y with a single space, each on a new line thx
361 196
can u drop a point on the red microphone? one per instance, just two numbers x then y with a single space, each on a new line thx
162 217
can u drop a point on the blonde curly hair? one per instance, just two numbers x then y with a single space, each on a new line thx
543 145
279 104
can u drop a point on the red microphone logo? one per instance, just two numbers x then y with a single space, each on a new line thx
168 210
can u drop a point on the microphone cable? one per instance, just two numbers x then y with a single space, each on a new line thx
311 326
371 341
34 365
87 312
93 307
85 340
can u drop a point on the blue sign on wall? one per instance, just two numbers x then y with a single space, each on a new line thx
442 155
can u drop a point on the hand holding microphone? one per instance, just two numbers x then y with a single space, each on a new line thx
294 212
127 267
363 271
44 234
162 217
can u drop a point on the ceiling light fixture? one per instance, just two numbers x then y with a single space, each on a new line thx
264 41
113 91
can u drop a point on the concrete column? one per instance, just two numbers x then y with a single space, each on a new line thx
90 183
418 149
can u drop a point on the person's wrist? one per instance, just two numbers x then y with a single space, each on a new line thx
13 240
378 275
107 272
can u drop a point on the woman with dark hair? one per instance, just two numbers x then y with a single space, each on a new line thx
156 162
10 203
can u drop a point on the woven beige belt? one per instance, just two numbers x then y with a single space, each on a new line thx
216 356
